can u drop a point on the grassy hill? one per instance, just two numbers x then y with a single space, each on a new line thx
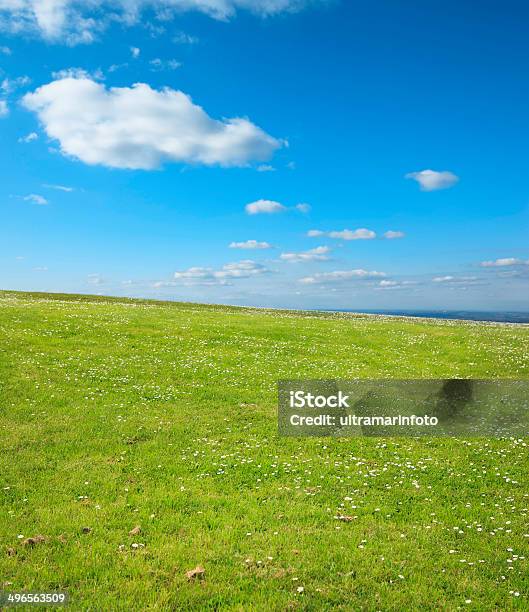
116 414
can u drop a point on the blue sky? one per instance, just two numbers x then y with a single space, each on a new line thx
258 151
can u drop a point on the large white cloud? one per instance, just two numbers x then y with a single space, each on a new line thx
141 128
78 21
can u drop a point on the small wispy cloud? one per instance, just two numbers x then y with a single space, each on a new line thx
271 207
158 64
265 168
29 137
9 85
115 67
456 281
393 235
208 276
4 109
75 72
5 50
95 279
432 180
504 262
241 269
340 276
391 285
36 199
60 188
182 38
264 207
250 244
135 52
346 234
318 254
303 207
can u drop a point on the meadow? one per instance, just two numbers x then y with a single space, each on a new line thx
138 442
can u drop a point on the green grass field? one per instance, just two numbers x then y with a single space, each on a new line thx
119 413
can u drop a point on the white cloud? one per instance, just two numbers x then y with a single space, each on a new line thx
95 279
4 109
41 269
431 180
241 269
159 64
250 244
317 254
208 276
79 21
182 38
135 52
455 279
303 207
505 261
391 285
115 67
346 234
9 85
75 72
36 199
195 275
29 137
270 206
358 234
265 168
140 128
393 235
5 50
264 206
60 188
340 276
